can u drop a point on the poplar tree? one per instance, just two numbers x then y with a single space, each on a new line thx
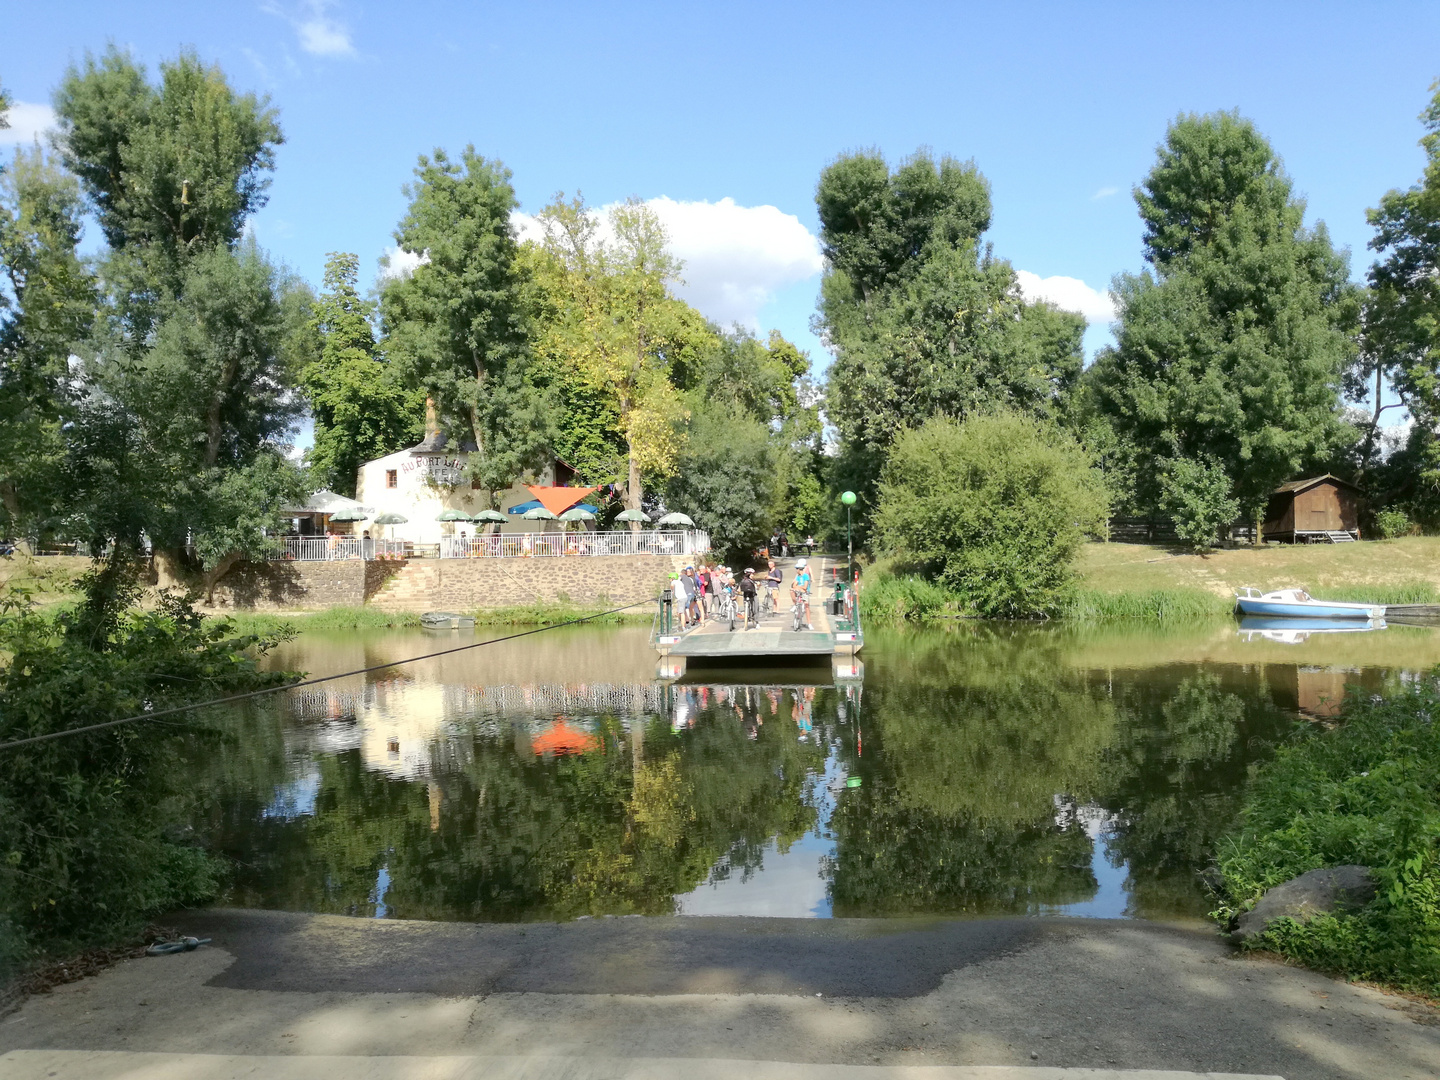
922 319
190 375
47 306
457 326
360 408
1402 317
1232 345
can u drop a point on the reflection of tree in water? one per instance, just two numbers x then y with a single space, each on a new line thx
1175 776
982 747
969 737
501 833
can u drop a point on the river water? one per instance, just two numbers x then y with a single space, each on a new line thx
981 769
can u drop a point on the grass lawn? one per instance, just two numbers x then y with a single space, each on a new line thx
1388 571
47 578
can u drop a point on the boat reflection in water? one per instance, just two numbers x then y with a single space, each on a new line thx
1297 631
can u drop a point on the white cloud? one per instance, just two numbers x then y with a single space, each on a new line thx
736 257
320 32
1104 193
396 262
28 122
1068 294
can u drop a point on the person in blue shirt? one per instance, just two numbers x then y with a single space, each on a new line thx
800 591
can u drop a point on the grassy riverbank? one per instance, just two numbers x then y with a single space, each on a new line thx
369 618
1366 793
1157 583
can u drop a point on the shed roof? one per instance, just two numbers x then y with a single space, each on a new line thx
1294 487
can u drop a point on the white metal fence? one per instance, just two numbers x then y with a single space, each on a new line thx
501 545
530 545
330 548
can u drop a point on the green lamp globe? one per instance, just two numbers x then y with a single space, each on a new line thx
848 498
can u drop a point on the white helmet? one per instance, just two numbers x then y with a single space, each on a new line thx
799 564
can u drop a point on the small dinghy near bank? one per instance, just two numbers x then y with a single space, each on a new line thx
446 620
1298 604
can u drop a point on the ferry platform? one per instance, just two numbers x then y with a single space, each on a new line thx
828 636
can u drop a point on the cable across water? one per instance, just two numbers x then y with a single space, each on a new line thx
307 682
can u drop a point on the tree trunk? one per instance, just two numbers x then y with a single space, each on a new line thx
633 492
11 501
170 569
219 570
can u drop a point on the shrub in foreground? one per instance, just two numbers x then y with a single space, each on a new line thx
993 508
89 824
1367 792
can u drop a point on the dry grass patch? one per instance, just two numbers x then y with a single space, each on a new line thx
1321 568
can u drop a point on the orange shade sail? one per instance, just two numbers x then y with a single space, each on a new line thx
561 738
559 499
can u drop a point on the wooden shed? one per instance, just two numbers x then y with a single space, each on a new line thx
1322 508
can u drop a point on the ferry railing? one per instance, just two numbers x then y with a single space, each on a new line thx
845 613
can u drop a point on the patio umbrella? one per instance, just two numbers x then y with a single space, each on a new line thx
632 515
391 519
538 513
349 515
489 515
525 507
454 515
577 513
676 519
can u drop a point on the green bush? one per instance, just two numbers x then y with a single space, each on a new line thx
993 509
1196 496
1392 523
1368 793
91 824
908 596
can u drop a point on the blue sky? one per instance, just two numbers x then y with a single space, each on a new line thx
1061 106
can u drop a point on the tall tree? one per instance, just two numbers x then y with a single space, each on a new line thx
360 408
611 324
1231 348
456 326
47 307
172 170
191 374
1402 317
921 319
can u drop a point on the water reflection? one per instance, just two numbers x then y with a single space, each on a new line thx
981 770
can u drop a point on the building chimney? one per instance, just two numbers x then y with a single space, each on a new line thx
432 418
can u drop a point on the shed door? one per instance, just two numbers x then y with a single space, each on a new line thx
1320 521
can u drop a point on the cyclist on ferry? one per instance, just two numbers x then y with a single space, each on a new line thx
800 589
748 592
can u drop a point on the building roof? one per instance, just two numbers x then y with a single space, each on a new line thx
1294 487
438 442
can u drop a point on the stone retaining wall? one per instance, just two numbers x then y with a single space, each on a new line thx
304 585
468 584
463 584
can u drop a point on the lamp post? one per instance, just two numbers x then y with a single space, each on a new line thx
848 498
